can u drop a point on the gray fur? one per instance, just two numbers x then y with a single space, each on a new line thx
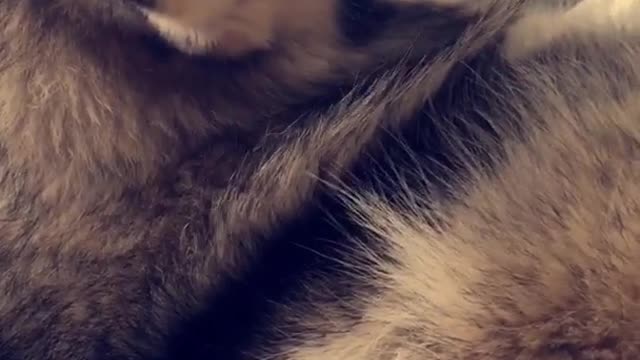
534 258
132 181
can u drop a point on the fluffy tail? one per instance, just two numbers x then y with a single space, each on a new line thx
534 258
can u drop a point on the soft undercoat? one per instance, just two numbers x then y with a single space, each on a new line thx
138 180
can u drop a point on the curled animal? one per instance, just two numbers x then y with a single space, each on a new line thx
528 247
302 180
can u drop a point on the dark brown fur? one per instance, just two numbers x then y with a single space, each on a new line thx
535 257
133 177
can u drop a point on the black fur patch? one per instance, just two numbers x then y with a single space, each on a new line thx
361 20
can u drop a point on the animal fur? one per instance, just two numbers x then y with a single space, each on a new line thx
533 257
135 178
138 181
238 27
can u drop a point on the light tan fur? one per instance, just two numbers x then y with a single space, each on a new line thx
233 28
544 25
137 180
534 258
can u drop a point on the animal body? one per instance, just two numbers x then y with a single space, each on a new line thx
156 157
530 250
137 179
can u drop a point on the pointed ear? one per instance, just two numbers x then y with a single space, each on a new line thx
235 28
221 27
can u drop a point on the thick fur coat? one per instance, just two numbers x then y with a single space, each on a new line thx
533 254
479 176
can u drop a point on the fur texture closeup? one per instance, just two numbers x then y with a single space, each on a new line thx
137 180
305 180
238 27
533 252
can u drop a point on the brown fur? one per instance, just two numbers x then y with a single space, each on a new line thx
133 178
535 258
234 27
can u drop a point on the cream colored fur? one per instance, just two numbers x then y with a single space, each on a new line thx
543 25
136 181
140 185
234 28
535 259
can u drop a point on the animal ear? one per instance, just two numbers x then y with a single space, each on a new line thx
221 27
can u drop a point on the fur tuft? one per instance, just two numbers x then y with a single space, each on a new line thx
535 257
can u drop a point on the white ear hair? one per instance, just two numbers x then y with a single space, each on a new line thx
183 37
223 31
